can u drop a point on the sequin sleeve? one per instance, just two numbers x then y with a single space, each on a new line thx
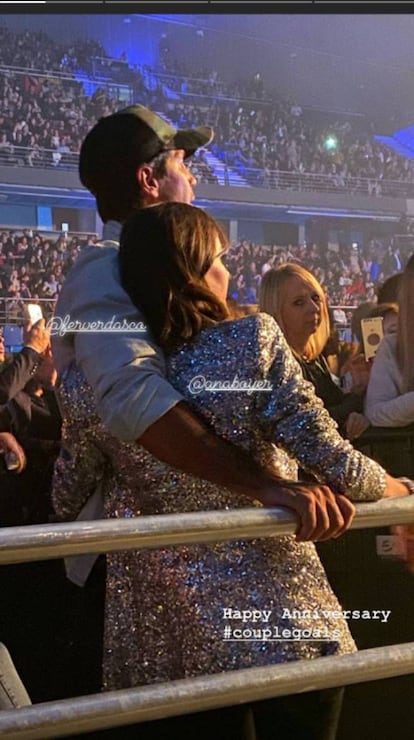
295 419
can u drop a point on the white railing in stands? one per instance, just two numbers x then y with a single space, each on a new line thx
12 155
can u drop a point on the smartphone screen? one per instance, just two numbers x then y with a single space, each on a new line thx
372 333
34 312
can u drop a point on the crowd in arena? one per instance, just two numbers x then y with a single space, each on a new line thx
66 463
37 50
257 133
44 119
33 266
258 140
189 79
348 275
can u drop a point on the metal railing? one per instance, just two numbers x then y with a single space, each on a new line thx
19 156
58 74
201 88
46 232
158 701
47 541
318 183
75 77
12 155
12 309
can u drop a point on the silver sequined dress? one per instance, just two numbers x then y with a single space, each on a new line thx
165 610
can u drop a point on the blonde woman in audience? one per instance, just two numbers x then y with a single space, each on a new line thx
293 296
390 394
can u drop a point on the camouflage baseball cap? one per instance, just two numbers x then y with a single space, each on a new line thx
169 137
129 138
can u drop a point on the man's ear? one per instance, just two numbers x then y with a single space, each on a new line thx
148 182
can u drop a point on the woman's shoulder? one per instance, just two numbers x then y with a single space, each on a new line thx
246 342
255 324
252 334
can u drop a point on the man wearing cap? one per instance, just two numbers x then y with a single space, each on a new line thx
129 160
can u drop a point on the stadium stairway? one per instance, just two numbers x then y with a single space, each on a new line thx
225 175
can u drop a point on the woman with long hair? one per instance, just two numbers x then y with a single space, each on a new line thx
175 612
294 297
390 395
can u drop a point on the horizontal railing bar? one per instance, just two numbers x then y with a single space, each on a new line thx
158 701
47 541
251 177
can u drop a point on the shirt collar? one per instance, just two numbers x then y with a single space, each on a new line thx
111 231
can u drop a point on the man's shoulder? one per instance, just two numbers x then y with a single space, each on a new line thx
95 269
104 251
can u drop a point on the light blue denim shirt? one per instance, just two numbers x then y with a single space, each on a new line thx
125 369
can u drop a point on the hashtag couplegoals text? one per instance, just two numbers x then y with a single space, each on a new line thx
251 625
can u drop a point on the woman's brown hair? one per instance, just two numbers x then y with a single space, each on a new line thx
165 252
